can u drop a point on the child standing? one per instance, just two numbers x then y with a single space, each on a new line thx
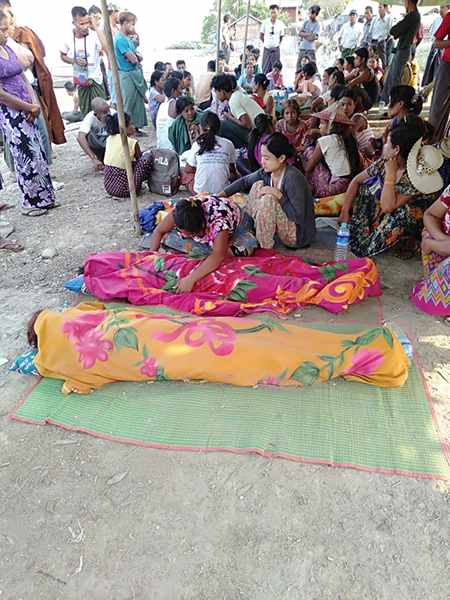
211 161
115 175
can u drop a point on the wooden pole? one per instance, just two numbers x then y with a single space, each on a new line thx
219 39
121 115
244 58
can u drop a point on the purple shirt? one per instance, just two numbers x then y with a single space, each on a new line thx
10 77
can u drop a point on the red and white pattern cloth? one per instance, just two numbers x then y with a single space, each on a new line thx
116 181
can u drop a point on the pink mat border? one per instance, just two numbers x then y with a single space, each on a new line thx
445 449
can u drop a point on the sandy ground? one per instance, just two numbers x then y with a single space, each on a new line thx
187 525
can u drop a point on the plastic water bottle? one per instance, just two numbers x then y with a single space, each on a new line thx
402 338
381 106
342 241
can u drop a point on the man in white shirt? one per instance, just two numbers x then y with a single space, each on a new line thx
271 34
239 120
435 54
92 134
350 34
380 32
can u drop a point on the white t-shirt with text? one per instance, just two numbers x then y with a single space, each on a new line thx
82 47
213 167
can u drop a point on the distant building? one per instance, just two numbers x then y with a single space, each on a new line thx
293 8
237 30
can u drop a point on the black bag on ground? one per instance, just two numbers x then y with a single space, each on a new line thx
164 178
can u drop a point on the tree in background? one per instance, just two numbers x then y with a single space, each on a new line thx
237 9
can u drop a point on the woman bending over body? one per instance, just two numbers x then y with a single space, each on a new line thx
382 203
211 162
432 294
280 201
115 174
215 222
334 161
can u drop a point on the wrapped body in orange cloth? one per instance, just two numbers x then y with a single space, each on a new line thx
90 345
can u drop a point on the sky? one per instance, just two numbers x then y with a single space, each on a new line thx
160 23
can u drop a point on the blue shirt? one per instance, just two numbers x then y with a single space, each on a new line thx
122 45
309 27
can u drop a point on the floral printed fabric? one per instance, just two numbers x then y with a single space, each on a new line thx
267 281
221 214
128 343
373 231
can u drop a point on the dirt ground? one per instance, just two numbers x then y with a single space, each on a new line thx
195 526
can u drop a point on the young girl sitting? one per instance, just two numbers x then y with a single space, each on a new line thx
115 175
211 161
290 124
334 161
187 85
349 68
186 128
247 80
276 76
280 201
216 223
361 129
251 160
373 63
262 96
156 94
306 81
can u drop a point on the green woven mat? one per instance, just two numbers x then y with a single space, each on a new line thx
338 423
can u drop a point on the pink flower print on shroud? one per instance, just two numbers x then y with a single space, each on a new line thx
271 380
219 336
91 348
365 362
77 329
150 367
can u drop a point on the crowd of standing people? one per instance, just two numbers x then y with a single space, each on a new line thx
247 130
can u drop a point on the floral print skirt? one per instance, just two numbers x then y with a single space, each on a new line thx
32 172
321 182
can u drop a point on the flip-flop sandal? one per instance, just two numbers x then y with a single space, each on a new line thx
11 247
408 253
35 212
6 206
55 205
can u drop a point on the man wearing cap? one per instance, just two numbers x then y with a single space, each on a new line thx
81 51
350 34
271 34
380 31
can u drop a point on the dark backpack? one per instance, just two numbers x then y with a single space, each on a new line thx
164 178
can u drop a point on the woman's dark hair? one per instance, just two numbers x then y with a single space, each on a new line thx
155 77
210 124
309 69
277 65
159 65
340 60
112 123
170 85
336 91
350 61
256 53
186 74
406 133
330 71
183 102
31 333
261 79
189 215
347 93
278 144
363 53
351 147
339 76
227 83
260 129
406 94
